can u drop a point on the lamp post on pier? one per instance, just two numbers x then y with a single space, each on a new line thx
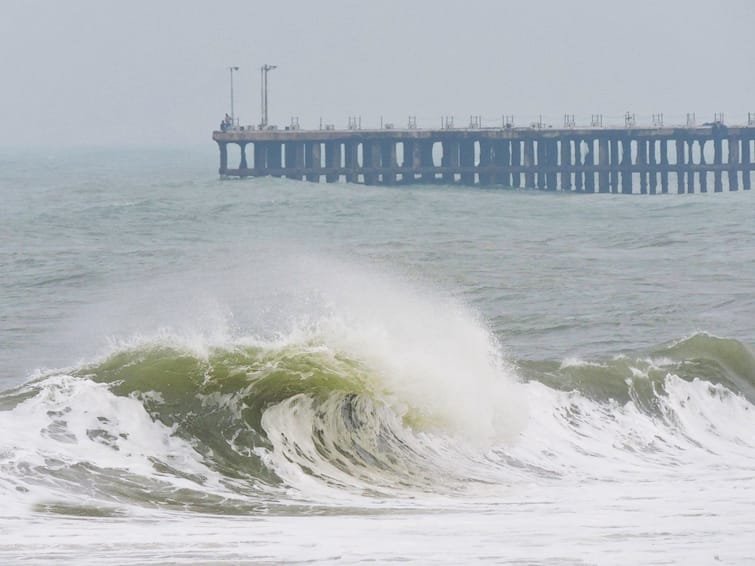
263 86
233 117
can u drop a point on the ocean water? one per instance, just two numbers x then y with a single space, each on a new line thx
269 371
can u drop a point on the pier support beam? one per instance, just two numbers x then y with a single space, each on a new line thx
274 155
450 160
652 168
351 161
679 143
529 164
717 163
690 167
733 164
746 164
466 157
260 158
664 166
578 165
626 165
426 161
313 161
516 163
332 161
223 147
389 162
642 164
614 159
566 164
603 185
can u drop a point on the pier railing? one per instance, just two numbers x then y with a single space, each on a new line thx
653 159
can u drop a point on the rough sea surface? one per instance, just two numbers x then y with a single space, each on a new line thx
264 370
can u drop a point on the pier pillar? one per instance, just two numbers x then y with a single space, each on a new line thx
274 155
690 167
516 163
371 161
466 157
703 171
313 161
652 168
614 159
566 165
450 161
501 156
332 161
603 156
529 164
746 164
389 162
351 161
223 146
242 163
551 175
578 166
664 166
590 166
733 164
642 165
626 166
290 168
484 175
679 143
260 158
541 163
717 162
427 161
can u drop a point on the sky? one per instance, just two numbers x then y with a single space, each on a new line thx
155 73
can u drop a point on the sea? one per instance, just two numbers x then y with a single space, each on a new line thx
196 370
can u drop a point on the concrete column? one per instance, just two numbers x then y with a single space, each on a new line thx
690 164
466 157
703 173
426 159
486 161
664 166
652 168
516 163
614 158
411 160
551 175
274 157
603 156
746 166
501 157
242 164
642 165
351 161
590 166
626 165
566 164
450 160
260 158
540 162
679 143
717 162
223 147
332 161
389 161
733 164
529 164
578 164
313 161
370 161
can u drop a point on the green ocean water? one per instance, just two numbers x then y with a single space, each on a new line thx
271 357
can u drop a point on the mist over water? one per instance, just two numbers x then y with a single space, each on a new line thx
337 371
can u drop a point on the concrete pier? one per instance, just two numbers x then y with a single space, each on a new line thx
606 160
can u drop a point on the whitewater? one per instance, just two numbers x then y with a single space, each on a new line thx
269 371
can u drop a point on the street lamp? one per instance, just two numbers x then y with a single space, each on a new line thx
233 118
263 86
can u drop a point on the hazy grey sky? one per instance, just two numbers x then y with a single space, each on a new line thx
98 72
